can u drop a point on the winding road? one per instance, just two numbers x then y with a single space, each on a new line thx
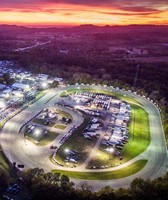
31 155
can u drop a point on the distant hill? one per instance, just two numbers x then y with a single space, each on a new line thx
87 28
5 27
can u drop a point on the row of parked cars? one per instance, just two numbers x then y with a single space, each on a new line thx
72 157
66 136
13 189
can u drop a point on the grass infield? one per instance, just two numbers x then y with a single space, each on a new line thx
121 173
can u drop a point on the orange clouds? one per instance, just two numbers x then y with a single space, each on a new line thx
64 14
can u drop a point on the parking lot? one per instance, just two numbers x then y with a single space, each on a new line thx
108 126
47 125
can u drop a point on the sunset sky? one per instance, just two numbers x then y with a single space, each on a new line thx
75 12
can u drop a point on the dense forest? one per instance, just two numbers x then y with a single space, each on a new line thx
59 187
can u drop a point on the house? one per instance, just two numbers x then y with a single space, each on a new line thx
7 91
123 108
2 86
20 86
94 126
43 76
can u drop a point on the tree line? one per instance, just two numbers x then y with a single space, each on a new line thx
50 186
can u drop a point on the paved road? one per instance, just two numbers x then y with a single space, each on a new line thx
33 46
93 151
16 149
23 151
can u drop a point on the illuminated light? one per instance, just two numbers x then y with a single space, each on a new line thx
110 150
78 100
19 94
27 87
66 150
2 104
44 85
37 132
50 115
7 96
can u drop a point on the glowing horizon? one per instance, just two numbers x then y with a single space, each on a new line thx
70 13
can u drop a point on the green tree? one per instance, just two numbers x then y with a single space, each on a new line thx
54 84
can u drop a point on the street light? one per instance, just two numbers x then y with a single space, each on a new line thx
37 133
110 150
7 96
2 104
78 100
44 84
27 87
19 94
66 150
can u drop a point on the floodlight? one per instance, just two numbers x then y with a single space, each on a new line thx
2 104
19 94
44 84
7 96
66 150
27 87
37 132
78 100
110 150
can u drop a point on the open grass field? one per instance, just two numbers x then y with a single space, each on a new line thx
139 133
3 163
139 140
78 143
44 140
4 166
41 94
60 126
121 173
65 114
42 122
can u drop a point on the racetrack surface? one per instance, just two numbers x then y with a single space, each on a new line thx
24 152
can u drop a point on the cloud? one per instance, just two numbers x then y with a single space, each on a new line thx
143 6
128 14
109 3
84 11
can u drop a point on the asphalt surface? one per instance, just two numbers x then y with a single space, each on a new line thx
21 152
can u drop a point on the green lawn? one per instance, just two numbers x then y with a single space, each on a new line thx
121 173
40 94
3 163
139 140
4 166
103 158
64 94
3 122
60 126
44 140
63 114
42 122
139 133
78 143
66 115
